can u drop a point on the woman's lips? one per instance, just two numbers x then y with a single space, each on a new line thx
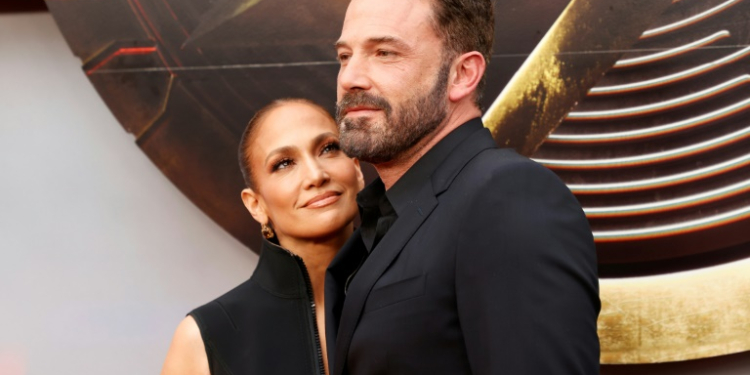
323 200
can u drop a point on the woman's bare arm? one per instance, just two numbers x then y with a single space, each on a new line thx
187 355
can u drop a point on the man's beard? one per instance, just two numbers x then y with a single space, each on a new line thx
383 141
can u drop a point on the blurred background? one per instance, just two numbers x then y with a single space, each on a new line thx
100 255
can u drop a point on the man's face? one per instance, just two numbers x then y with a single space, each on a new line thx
392 83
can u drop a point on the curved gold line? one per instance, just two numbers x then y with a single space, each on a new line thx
672 78
689 21
657 157
676 317
557 75
647 59
669 205
653 131
673 229
661 106
658 182
218 14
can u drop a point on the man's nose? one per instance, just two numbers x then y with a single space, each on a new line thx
354 75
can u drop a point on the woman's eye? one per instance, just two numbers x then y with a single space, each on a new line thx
281 164
331 147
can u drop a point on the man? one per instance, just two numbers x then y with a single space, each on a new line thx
470 259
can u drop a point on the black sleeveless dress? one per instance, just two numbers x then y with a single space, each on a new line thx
266 325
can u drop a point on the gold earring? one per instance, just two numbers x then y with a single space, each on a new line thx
267 231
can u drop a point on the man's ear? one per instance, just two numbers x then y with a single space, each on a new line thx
468 71
360 176
254 205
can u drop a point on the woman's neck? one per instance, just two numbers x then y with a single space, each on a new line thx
317 254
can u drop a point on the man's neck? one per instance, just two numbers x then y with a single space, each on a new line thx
391 171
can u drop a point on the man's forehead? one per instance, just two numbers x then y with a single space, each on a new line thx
394 19
394 6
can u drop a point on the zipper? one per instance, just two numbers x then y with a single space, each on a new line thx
314 320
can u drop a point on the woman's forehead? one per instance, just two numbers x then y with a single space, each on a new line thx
296 115
292 125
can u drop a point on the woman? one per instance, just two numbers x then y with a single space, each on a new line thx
301 188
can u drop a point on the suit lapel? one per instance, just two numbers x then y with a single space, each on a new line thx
395 239
384 254
474 144
342 266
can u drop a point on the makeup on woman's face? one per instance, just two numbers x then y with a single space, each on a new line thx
305 184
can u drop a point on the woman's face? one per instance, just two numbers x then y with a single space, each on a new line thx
305 186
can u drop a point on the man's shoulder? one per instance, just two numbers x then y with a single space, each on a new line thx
504 165
498 174
500 156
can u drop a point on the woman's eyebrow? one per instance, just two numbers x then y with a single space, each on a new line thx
280 150
322 137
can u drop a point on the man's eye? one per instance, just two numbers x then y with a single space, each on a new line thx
281 164
385 53
342 57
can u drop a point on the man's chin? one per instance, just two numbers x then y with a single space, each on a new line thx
358 144
359 124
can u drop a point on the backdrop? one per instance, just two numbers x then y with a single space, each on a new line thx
639 106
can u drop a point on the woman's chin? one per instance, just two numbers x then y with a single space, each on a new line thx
326 230
329 232
320 225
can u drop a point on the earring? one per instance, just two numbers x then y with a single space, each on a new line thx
267 231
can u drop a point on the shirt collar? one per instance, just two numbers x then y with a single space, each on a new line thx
371 195
408 185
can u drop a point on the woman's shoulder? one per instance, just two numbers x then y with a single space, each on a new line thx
188 333
187 354
216 312
236 292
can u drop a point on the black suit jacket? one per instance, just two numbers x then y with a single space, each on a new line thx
490 270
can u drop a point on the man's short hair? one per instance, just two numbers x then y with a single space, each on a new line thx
465 26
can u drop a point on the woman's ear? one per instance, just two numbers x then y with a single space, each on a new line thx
469 70
254 204
360 176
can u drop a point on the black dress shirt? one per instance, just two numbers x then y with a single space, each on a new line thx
379 208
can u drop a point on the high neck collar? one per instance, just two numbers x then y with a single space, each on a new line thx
280 272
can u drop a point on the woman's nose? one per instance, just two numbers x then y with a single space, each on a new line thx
316 175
